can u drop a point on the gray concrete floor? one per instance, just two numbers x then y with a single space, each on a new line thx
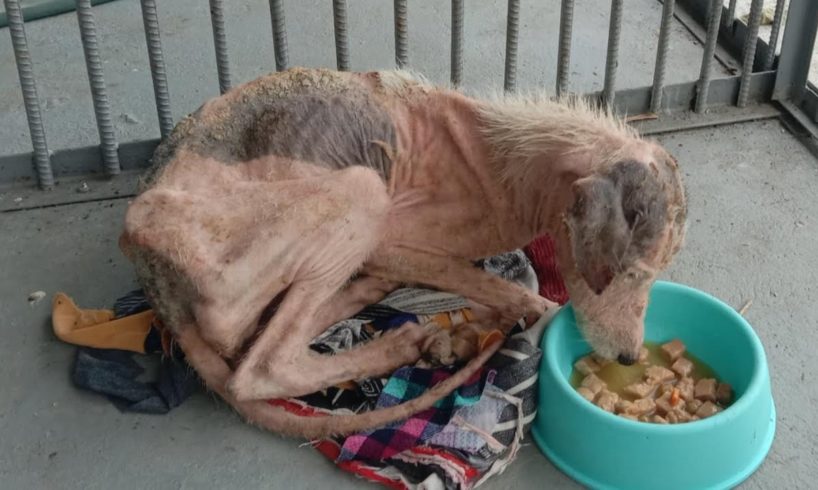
752 236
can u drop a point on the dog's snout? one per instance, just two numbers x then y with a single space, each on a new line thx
626 359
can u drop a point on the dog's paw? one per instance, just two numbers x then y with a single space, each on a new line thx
535 307
436 350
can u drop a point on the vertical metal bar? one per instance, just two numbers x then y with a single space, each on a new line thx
457 42
41 160
661 56
512 34
794 61
707 57
750 44
279 34
564 50
157 62
220 44
773 42
731 13
99 93
612 58
339 18
401 33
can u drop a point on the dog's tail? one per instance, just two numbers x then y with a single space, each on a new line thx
215 372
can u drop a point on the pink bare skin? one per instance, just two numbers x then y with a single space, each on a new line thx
320 192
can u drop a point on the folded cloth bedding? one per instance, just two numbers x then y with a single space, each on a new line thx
461 441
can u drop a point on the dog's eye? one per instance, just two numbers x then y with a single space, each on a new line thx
632 276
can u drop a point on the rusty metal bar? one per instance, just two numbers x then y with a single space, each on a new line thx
612 58
512 36
564 50
401 33
157 63
220 44
279 35
457 42
339 21
774 34
41 157
707 58
750 44
99 93
661 56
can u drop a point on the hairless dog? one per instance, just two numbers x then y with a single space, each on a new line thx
313 193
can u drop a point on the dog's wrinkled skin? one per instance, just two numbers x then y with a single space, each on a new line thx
318 192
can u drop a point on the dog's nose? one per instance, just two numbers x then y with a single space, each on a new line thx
625 359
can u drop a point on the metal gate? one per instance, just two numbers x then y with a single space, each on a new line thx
764 75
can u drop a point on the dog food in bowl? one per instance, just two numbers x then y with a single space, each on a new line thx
666 386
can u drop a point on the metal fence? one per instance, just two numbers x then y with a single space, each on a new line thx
763 76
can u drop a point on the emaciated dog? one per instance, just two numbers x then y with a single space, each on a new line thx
311 193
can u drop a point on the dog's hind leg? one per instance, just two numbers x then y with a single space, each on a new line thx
280 363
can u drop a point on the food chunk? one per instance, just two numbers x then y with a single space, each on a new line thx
586 393
665 388
665 404
707 409
673 349
594 384
639 390
641 406
607 400
677 416
693 405
586 365
686 389
724 393
682 366
658 419
622 406
643 354
705 389
658 374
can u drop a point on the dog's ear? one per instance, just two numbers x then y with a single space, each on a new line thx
615 217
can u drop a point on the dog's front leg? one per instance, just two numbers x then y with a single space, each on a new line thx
459 276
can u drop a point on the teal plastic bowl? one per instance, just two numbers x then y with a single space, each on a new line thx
601 450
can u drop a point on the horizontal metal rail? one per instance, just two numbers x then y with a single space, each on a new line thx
136 155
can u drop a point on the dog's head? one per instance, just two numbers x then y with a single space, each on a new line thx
625 224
